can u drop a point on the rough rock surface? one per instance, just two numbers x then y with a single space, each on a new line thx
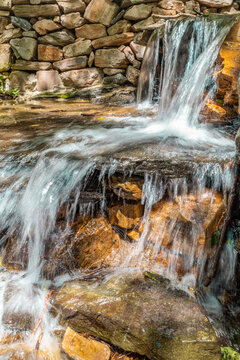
82 78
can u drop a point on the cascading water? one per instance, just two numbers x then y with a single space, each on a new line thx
42 176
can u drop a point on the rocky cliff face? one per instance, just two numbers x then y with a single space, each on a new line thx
63 45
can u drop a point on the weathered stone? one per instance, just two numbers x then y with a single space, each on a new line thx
142 38
136 64
79 62
4 13
113 40
132 75
48 80
70 6
118 17
172 5
79 347
129 54
110 58
164 12
138 50
128 3
91 59
101 11
191 7
160 322
80 47
31 65
142 25
216 3
110 72
138 12
229 10
5 4
7 35
120 27
21 23
42 27
58 38
126 216
72 20
130 188
82 78
49 53
24 82
31 34
5 57
28 11
91 31
3 23
115 80
24 48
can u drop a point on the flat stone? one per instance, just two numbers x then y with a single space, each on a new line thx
28 11
142 25
49 53
21 23
128 3
118 17
79 347
132 75
138 12
24 48
48 80
44 26
160 322
31 34
72 20
172 5
69 6
101 11
110 58
139 50
4 21
74 63
159 11
23 81
7 35
5 4
120 27
118 79
216 3
81 47
58 38
91 31
82 78
31 65
5 57
110 72
4 13
113 40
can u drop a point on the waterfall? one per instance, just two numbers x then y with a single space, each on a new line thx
190 49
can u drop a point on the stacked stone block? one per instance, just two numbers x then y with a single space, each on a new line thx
60 45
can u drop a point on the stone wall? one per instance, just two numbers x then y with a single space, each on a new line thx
65 45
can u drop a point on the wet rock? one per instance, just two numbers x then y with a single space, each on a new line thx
142 38
48 80
130 188
31 65
58 38
7 35
79 62
119 27
101 11
80 47
172 5
216 3
21 23
113 40
24 48
82 78
5 57
69 6
139 315
191 7
79 347
72 20
110 58
138 12
118 79
132 75
91 31
49 53
126 216
44 26
29 11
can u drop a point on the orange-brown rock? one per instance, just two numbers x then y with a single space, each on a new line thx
79 347
130 188
49 53
113 40
127 216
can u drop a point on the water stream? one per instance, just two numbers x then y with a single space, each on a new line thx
40 174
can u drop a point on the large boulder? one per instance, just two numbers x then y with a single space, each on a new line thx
110 58
24 48
138 315
101 11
